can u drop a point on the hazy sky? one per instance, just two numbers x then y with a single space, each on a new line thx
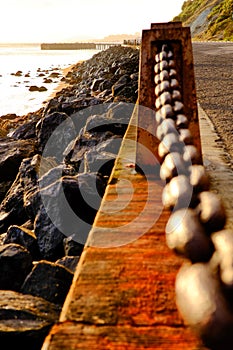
59 20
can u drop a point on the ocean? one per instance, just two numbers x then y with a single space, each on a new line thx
23 66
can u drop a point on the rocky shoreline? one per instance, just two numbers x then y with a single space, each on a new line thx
54 167
49 172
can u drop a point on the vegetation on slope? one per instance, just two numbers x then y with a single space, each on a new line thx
218 18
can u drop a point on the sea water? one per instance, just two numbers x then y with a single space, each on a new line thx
33 66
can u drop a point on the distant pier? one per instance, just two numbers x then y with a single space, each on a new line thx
77 46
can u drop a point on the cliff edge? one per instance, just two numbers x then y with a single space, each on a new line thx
208 19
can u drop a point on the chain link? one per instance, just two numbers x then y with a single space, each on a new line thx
195 228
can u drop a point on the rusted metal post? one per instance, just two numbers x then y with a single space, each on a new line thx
179 39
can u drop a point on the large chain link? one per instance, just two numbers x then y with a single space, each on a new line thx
195 229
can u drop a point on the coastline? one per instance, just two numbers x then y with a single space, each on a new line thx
20 206
62 84
46 254
10 121
29 76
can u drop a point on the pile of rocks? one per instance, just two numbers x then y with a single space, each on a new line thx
54 167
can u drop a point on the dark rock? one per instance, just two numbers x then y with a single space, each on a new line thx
54 75
4 187
33 88
82 144
15 264
28 225
121 111
96 83
105 93
79 120
48 281
69 262
55 132
69 207
110 146
124 79
47 81
100 162
42 89
72 106
24 237
127 94
25 321
12 152
52 106
25 131
102 123
49 237
105 85
116 88
72 247
30 170
18 73
102 157
32 202
12 209
55 174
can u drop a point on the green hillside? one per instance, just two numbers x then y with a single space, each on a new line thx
208 19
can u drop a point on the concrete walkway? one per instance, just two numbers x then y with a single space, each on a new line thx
217 163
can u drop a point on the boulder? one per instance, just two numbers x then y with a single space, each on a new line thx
18 73
74 154
4 187
30 170
116 88
69 262
15 264
69 207
72 247
96 83
49 281
102 123
25 321
54 133
49 237
105 85
101 162
24 237
42 89
12 209
101 158
12 152
33 88
25 131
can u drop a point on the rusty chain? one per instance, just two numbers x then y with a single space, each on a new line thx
195 229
